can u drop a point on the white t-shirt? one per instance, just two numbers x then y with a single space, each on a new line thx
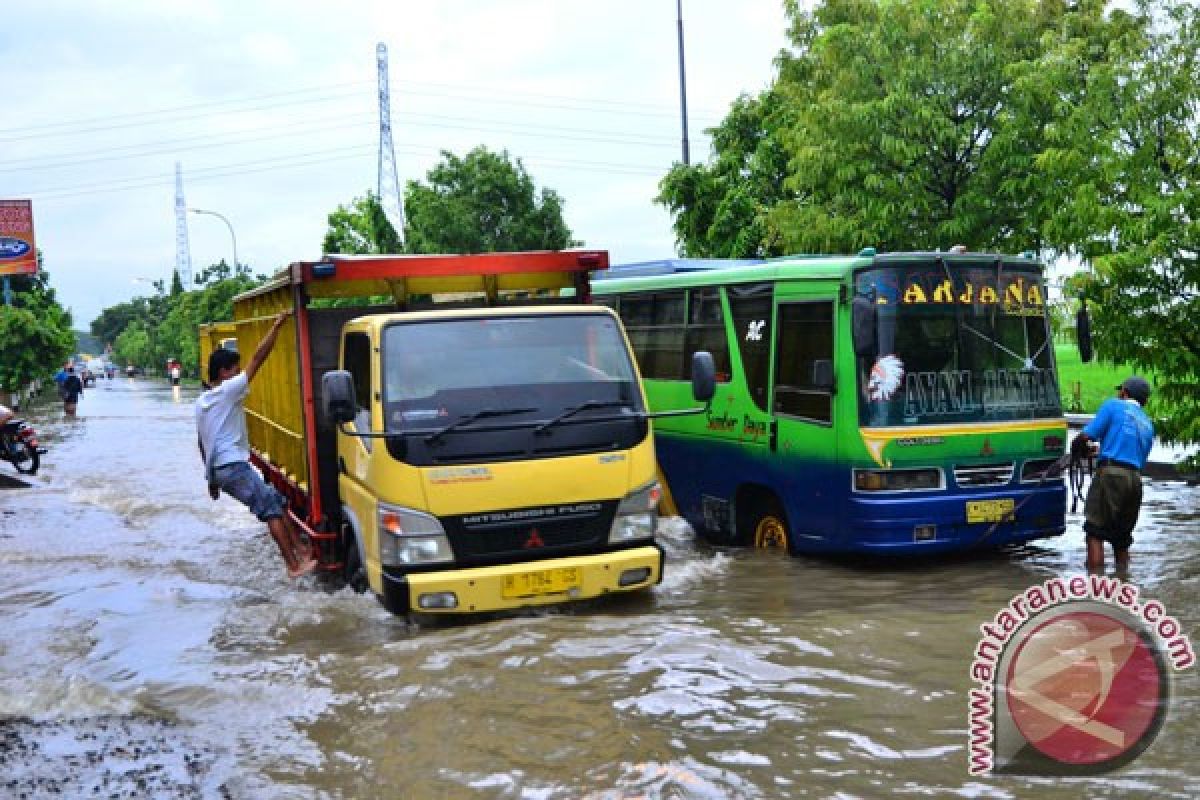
221 422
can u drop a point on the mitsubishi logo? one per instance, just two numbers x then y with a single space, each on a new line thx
534 540
986 450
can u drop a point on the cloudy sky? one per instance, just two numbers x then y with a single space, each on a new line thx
271 108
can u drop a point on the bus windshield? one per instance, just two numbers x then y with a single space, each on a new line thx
956 343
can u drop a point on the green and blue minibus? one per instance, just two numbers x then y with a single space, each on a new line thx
874 403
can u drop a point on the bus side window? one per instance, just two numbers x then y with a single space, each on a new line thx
805 341
655 323
706 331
751 306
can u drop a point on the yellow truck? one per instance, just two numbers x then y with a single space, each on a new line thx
458 433
213 336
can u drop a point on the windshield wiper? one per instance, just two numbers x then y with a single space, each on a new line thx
573 410
483 413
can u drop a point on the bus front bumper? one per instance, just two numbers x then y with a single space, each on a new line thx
536 583
933 525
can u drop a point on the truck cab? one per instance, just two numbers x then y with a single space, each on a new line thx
469 437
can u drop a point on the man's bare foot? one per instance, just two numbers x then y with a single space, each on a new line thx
303 568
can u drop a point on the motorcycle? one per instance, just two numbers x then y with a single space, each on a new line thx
19 446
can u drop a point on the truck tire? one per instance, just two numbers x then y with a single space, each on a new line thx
354 573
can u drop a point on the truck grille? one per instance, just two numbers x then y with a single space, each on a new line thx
523 534
983 475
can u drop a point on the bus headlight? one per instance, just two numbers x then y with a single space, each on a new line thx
897 480
637 515
409 538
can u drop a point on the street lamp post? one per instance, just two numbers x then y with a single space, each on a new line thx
227 225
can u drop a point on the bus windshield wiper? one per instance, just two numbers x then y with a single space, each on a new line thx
483 413
573 410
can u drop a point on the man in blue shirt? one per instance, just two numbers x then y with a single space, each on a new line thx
1125 435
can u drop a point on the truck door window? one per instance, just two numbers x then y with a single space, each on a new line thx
356 359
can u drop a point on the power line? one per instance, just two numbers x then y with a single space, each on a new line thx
306 160
176 113
172 146
176 109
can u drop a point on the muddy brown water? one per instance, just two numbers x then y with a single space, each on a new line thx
150 645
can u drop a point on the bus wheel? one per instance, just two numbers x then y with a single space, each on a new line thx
770 530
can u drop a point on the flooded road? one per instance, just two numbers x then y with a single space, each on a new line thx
151 644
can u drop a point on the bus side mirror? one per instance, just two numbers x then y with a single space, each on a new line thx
822 377
862 325
337 396
1083 333
704 376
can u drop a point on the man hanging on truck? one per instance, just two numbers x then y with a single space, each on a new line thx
225 448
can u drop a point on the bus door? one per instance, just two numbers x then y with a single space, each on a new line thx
804 439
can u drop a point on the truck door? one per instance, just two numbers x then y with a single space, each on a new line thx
353 452
805 437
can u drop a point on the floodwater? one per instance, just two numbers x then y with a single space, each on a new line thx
151 645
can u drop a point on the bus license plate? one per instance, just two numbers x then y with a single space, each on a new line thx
990 510
544 581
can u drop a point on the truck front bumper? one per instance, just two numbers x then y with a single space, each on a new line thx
508 586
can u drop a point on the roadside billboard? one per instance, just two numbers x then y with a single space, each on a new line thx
18 253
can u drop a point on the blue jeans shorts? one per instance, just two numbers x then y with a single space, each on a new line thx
242 481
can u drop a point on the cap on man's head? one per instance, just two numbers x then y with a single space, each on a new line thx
1137 388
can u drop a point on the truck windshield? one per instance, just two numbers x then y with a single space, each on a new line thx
956 343
487 386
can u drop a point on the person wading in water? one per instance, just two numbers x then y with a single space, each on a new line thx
1125 435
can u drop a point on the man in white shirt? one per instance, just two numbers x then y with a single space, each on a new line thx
225 448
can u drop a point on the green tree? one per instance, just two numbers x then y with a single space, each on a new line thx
918 123
1130 151
482 203
361 228
722 209
132 345
35 332
146 331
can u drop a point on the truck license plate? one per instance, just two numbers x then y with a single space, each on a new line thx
990 510
543 581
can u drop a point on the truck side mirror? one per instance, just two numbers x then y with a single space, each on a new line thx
704 376
862 325
822 376
1083 333
337 396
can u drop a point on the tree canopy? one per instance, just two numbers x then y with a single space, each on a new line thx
35 332
482 203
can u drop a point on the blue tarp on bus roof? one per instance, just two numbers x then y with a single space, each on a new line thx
669 266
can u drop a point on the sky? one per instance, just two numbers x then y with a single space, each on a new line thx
271 108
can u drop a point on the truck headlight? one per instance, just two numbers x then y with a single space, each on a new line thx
409 538
637 515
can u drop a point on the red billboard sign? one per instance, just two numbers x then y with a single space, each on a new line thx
18 253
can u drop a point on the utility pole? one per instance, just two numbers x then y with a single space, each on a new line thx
682 81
